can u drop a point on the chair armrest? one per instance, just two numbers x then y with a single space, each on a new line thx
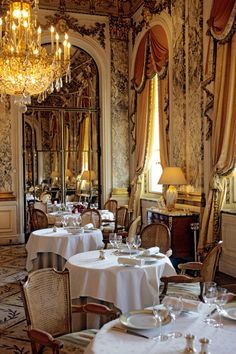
181 278
94 308
190 266
44 338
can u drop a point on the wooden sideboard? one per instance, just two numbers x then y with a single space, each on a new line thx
179 223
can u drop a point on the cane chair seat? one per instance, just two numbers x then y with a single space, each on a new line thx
47 303
157 234
191 286
91 216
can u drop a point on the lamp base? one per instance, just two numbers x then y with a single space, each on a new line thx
171 198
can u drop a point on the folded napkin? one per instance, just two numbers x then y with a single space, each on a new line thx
89 226
151 251
131 261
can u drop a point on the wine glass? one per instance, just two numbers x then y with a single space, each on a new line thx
112 240
129 244
118 242
175 307
137 242
220 301
209 297
159 312
64 221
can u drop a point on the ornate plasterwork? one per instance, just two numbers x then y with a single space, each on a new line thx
63 22
178 115
119 100
5 146
194 119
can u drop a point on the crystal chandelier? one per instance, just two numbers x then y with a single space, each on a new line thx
26 68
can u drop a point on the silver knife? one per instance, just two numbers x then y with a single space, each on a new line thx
129 331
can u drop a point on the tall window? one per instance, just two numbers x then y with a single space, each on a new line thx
154 168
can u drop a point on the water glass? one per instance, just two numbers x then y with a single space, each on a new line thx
137 242
158 312
129 244
220 301
118 242
209 297
112 239
175 307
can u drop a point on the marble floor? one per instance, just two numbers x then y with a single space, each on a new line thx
13 336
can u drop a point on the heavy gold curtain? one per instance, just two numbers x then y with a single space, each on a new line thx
151 59
222 26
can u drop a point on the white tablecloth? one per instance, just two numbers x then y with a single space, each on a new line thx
127 287
223 341
61 243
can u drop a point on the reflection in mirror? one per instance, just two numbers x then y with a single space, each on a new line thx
61 139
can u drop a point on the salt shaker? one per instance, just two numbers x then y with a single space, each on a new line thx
189 344
204 346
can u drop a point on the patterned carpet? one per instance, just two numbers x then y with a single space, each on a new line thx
13 336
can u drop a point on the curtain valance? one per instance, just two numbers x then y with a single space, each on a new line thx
151 57
222 19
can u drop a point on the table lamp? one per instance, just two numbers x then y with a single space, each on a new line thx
171 176
88 176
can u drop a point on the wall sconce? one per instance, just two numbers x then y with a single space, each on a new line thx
172 176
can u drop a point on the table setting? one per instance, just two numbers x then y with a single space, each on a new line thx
141 331
133 280
54 246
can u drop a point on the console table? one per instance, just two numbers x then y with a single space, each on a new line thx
179 223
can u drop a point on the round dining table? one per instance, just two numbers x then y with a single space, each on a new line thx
126 286
116 338
52 247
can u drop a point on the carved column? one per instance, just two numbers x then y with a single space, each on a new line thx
119 106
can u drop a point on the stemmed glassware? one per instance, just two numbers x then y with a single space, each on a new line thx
129 244
112 239
175 307
64 221
220 301
137 242
209 297
158 312
118 242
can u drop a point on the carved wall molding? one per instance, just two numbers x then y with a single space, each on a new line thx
64 22
119 28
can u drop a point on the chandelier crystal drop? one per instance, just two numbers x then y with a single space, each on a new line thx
26 68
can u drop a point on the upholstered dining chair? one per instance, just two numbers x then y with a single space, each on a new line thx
157 234
111 205
189 286
38 219
91 216
48 309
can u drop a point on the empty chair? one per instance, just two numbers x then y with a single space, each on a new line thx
192 286
47 303
38 219
157 234
91 216
111 205
122 219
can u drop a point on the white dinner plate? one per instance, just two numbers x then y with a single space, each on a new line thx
89 230
229 311
142 319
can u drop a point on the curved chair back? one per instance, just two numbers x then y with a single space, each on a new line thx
38 219
210 263
91 216
122 217
156 234
111 205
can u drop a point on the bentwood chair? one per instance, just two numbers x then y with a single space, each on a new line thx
157 234
91 216
122 219
111 205
192 286
48 309
38 219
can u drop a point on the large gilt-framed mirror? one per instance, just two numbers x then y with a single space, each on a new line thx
62 138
